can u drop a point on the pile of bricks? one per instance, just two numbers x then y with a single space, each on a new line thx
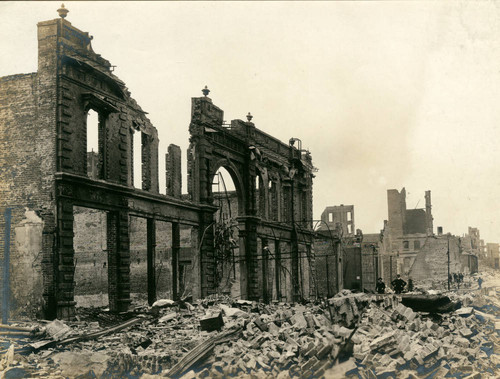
350 335
346 307
392 339
282 340
274 340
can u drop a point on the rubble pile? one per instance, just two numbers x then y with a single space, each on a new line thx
349 335
393 340
219 336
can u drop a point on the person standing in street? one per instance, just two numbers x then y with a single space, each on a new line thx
380 287
398 284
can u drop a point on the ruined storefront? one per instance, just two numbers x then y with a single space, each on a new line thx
83 231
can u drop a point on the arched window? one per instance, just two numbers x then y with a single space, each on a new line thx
137 159
94 145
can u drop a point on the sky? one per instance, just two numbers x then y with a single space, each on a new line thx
385 95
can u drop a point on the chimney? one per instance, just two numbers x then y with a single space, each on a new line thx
440 230
428 214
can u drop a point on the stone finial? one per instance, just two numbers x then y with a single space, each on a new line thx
205 91
249 117
63 12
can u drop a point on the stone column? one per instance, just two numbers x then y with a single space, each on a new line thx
176 248
151 254
66 266
118 261
265 270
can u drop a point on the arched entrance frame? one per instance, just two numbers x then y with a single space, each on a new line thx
237 180
248 153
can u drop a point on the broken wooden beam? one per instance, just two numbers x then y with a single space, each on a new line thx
46 344
200 352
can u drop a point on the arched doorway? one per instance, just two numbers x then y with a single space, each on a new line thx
228 200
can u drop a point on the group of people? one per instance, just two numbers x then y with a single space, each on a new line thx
398 285
456 278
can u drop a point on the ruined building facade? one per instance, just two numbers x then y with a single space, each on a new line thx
71 217
339 216
405 232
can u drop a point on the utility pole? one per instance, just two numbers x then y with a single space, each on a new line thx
448 235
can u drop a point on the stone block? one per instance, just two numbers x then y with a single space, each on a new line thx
212 322
382 340
324 351
466 332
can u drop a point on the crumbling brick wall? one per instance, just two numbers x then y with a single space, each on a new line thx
25 183
326 265
432 259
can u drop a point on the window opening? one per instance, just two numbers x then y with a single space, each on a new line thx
93 158
137 158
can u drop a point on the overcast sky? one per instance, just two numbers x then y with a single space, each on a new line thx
384 94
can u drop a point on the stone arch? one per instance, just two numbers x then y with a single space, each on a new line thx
237 180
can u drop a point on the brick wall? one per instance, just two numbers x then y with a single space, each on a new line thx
91 257
325 266
368 268
163 260
173 175
26 182
432 259
396 203
90 244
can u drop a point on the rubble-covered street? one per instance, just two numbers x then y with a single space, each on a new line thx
350 335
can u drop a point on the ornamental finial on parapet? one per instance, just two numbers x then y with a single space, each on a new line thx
63 12
205 91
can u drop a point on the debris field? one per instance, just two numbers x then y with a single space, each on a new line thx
353 335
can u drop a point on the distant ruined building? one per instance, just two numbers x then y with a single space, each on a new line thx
410 247
406 231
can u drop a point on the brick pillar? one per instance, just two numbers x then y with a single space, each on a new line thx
49 266
66 266
265 271
112 246
249 236
173 161
146 161
176 248
118 261
243 267
151 253
295 275
277 268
